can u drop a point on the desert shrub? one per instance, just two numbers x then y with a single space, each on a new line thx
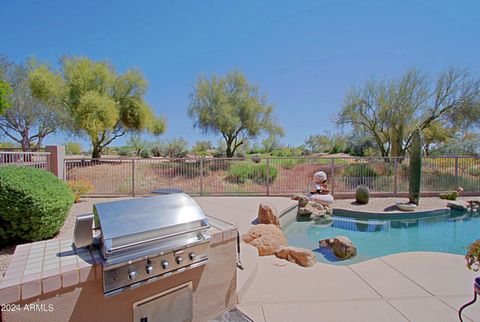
80 188
473 256
359 170
125 151
145 154
33 204
240 173
174 148
286 163
217 165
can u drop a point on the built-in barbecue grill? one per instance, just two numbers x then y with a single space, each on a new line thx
144 239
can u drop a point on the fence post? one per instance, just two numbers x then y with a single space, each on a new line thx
57 158
133 177
457 179
201 177
268 177
395 175
332 174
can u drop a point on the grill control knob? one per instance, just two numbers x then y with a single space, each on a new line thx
179 260
132 275
164 264
192 256
149 269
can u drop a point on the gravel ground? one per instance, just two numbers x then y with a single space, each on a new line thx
85 206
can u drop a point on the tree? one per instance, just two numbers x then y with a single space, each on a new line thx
72 148
28 120
435 136
137 144
230 106
316 143
173 148
5 91
391 110
102 105
271 143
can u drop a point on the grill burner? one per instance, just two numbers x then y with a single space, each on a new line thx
145 239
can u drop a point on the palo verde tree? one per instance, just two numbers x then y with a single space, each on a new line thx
230 106
28 120
392 110
101 104
5 91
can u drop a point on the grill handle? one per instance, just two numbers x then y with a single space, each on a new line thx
109 250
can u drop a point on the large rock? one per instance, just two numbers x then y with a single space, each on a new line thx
267 214
300 256
342 246
302 199
266 238
457 205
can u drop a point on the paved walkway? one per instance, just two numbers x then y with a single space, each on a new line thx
416 286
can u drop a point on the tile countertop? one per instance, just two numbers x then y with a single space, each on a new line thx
50 265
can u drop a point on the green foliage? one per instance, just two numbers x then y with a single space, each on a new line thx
231 107
145 154
72 148
100 103
125 151
473 256
362 194
359 170
33 204
5 92
391 110
415 175
8 145
80 188
139 145
240 173
28 120
173 148
202 147
474 171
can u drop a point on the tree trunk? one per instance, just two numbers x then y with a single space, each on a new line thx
97 151
229 151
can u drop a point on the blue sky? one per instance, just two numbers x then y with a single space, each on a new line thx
303 54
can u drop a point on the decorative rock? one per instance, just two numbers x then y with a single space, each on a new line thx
457 205
267 214
300 256
302 199
266 238
342 247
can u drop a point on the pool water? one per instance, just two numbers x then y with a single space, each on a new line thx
448 232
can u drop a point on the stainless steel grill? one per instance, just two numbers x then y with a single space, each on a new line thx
145 239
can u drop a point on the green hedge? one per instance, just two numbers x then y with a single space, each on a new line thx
240 173
33 204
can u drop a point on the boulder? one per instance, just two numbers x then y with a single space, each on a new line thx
342 246
266 238
457 205
302 199
300 256
267 214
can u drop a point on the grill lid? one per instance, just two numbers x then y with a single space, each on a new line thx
126 224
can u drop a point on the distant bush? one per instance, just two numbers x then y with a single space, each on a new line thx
33 204
72 148
125 151
359 170
80 188
145 154
240 173
174 148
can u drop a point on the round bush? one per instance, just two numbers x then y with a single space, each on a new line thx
33 204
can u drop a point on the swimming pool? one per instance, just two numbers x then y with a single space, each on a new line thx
447 232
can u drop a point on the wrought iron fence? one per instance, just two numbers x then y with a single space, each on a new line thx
40 160
269 176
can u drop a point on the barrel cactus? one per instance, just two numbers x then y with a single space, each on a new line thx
415 175
362 195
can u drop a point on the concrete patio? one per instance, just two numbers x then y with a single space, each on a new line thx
416 286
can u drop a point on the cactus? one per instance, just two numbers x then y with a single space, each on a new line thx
415 175
362 195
